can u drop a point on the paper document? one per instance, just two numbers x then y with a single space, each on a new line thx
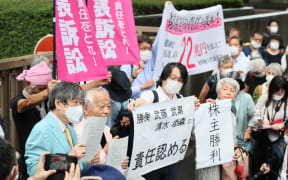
117 150
92 134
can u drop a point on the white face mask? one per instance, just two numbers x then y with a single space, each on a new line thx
145 55
274 45
172 87
269 78
74 114
225 72
234 51
277 98
255 44
274 29
286 139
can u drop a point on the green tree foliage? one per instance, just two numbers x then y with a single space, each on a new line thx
24 22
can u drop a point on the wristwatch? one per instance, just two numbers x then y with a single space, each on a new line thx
134 77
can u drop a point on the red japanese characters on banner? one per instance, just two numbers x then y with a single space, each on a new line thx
194 38
76 45
115 30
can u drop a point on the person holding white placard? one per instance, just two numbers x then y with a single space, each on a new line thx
173 77
226 88
97 103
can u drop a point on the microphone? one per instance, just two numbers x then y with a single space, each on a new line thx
260 173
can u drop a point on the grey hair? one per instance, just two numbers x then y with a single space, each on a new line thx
275 67
38 59
64 91
257 65
230 81
90 95
223 60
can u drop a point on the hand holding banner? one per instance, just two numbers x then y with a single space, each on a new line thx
161 134
214 134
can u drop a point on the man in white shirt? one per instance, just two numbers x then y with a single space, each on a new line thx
241 62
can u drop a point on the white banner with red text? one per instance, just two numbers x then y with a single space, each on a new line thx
194 38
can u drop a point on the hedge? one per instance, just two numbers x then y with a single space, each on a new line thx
156 6
24 22
20 31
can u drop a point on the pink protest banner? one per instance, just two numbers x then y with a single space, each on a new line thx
115 30
76 45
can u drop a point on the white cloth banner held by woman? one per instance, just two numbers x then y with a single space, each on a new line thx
214 134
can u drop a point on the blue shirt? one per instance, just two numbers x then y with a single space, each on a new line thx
145 75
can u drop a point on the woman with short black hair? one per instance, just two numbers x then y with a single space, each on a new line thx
270 115
173 77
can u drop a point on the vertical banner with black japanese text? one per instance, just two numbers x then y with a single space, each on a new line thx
193 38
76 47
161 134
214 134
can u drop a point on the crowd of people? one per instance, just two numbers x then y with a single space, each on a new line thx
50 116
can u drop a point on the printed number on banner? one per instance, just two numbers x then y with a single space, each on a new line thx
186 44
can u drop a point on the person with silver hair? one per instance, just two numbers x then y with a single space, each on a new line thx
40 59
54 133
255 76
227 88
30 106
225 66
97 103
272 70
